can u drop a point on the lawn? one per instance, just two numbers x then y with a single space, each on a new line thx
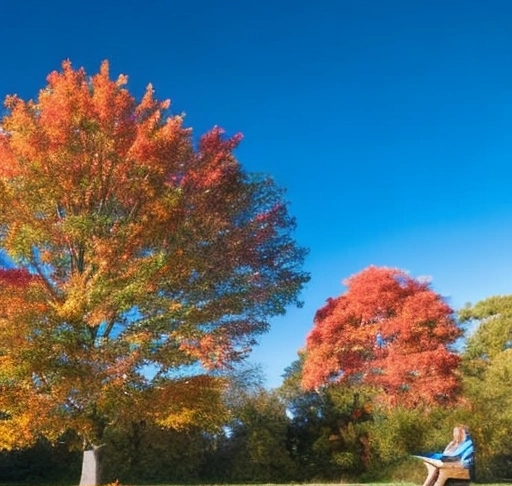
396 483
387 483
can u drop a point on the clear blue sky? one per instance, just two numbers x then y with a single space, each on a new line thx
387 122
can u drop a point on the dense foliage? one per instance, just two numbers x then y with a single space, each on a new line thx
389 331
335 433
487 367
142 263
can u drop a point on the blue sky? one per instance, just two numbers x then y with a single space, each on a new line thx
387 122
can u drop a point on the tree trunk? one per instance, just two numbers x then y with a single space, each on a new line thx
91 468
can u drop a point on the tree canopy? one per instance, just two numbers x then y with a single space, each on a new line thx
142 261
390 331
487 367
493 335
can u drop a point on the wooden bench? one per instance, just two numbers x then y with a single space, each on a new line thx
445 473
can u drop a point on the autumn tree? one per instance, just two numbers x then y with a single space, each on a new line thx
390 331
143 261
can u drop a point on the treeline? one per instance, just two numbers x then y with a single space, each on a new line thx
340 431
331 434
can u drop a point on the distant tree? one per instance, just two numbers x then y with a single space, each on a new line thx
148 454
256 447
487 367
492 322
143 263
42 463
305 409
326 437
389 331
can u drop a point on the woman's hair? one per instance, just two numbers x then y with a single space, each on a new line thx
462 432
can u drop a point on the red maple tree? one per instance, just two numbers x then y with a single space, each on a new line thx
390 331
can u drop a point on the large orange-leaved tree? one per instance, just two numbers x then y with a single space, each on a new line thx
142 261
388 331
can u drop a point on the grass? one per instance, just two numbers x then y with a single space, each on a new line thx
387 483
395 483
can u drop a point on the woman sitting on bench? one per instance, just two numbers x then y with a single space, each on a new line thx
455 462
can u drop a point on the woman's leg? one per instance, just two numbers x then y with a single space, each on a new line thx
432 475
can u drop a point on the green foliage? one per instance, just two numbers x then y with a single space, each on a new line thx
43 463
147 454
398 432
309 432
487 368
493 335
328 430
257 445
